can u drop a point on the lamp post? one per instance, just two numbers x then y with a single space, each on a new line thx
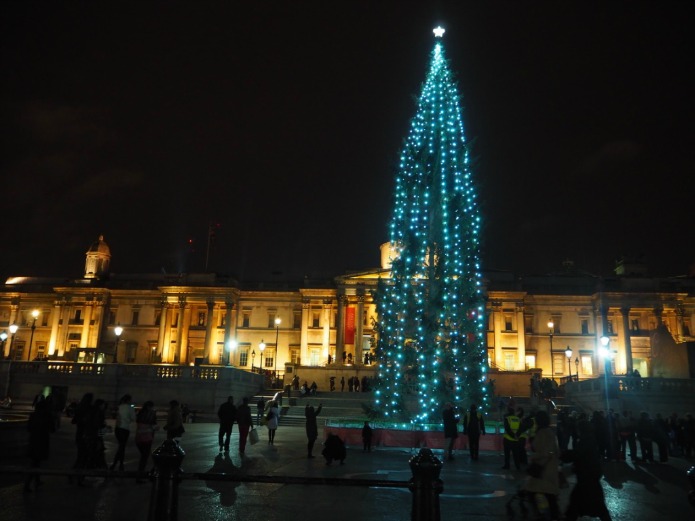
261 348
118 331
13 332
35 315
551 331
568 354
277 350
3 338
576 367
232 345
253 358
606 352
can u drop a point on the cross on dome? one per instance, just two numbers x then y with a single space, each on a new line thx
438 31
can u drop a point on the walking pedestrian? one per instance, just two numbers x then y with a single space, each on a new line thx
260 409
342 384
80 419
146 425
174 424
450 428
273 418
367 432
312 431
124 417
510 440
244 422
227 415
544 482
40 426
473 427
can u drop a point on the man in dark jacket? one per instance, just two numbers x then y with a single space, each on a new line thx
473 427
312 431
227 415
450 421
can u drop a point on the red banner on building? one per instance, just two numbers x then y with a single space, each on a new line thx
350 325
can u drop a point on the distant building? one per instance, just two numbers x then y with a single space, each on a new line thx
212 319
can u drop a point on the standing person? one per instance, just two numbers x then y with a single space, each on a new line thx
244 422
80 419
473 427
626 429
342 384
312 430
260 409
40 426
227 415
146 425
94 435
587 497
124 417
544 483
510 440
273 418
174 424
450 428
645 435
367 432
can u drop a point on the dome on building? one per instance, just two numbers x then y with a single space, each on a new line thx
98 260
99 246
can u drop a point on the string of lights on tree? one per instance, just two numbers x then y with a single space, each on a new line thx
431 331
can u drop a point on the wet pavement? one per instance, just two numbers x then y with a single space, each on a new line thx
472 490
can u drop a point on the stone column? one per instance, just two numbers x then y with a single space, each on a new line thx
359 329
209 352
84 337
161 338
228 332
497 333
326 340
55 322
184 328
680 313
625 311
340 326
520 337
304 337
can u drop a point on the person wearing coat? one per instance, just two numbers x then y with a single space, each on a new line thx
312 430
450 428
40 426
244 422
273 417
544 483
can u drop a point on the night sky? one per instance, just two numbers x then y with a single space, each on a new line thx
282 123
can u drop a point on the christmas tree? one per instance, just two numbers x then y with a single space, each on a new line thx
431 345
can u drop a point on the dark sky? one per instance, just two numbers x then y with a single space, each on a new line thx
282 122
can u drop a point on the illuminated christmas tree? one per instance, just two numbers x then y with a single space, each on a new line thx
432 345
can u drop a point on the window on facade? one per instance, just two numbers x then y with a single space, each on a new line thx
315 318
297 320
175 320
157 318
528 324
556 325
40 350
136 318
686 328
559 363
44 319
112 317
530 361
314 355
508 326
269 360
509 360
634 324
223 320
609 327
587 365
78 315
245 319
491 358
294 356
201 319
18 351
271 319
365 318
585 326
243 358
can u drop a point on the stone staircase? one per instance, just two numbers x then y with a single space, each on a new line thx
336 405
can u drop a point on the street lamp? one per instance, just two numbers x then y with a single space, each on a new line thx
261 347
568 354
253 358
35 315
551 331
13 332
277 336
231 346
3 338
118 331
606 352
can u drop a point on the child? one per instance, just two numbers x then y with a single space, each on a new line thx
367 437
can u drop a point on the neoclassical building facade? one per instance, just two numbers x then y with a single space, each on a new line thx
646 323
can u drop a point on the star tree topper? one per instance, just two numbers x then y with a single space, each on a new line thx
438 31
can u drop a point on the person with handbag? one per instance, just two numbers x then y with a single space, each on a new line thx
273 418
543 481
244 422
146 425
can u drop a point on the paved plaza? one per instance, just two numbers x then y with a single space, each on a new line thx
472 490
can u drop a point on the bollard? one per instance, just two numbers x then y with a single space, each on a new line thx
425 486
164 500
